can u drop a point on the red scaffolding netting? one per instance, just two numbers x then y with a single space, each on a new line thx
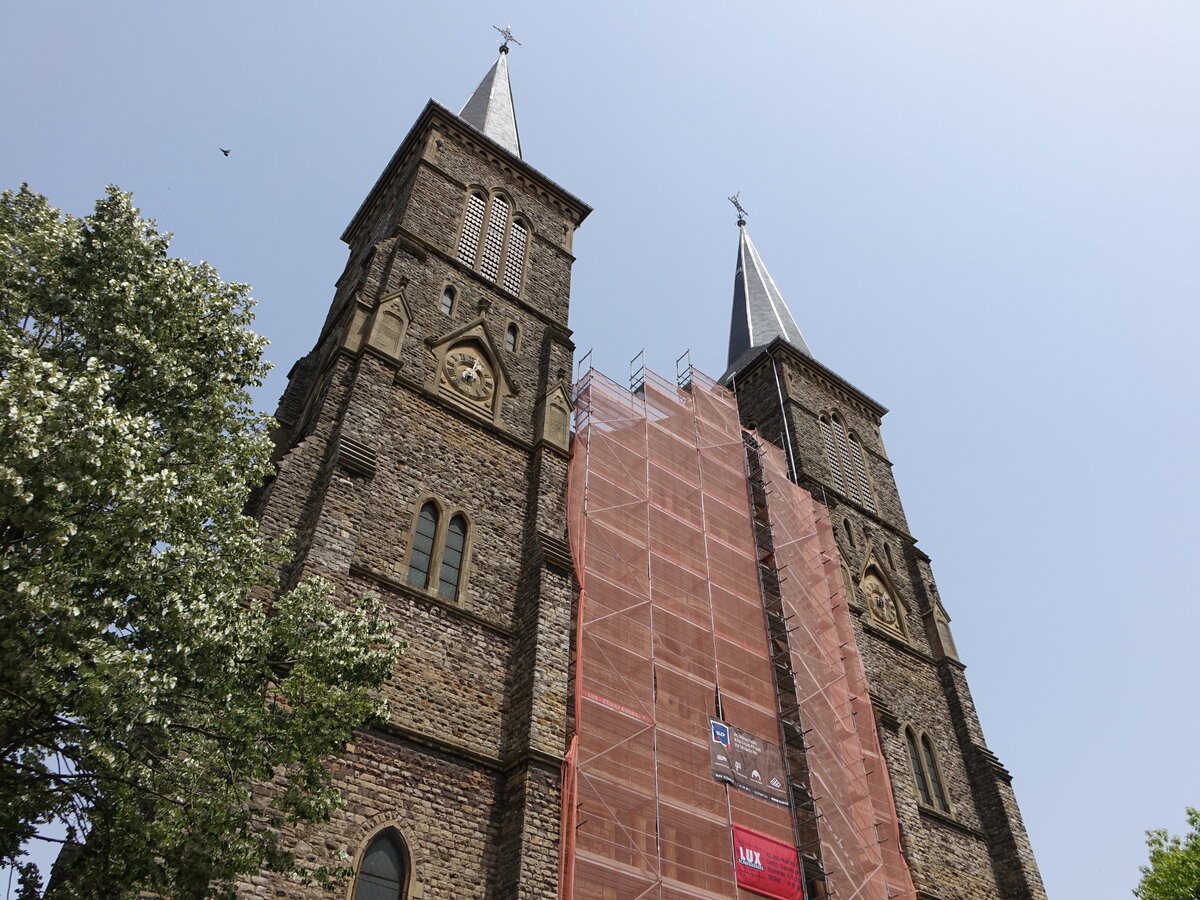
671 632
860 835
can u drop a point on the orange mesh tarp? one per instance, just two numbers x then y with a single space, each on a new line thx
860 836
670 611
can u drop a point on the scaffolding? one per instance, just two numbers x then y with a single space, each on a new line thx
711 591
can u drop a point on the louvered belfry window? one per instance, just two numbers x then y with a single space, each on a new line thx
860 474
831 451
847 461
492 241
468 244
516 257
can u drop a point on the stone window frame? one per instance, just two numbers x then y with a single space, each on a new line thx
512 336
479 227
445 515
411 887
929 777
847 459
452 291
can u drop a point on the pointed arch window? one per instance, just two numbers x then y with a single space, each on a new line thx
510 337
421 557
847 460
493 241
518 237
447 301
452 558
384 869
831 452
438 551
926 770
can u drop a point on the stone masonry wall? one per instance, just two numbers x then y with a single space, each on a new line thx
467 767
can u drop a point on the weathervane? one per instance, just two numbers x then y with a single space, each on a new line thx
506 33
738 207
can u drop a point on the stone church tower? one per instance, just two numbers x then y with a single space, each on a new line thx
422 455
961 830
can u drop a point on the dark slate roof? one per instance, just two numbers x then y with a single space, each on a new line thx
759 313
490 109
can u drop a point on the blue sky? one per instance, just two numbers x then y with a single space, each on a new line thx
986 215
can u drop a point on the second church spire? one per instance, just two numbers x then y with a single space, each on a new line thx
760 314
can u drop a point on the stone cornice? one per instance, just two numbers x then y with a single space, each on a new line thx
554 552
950 822
502 764
436 115
358 570
826 377
896 642
989 759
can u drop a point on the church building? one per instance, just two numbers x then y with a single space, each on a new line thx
674 641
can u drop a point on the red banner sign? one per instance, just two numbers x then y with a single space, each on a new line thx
766 866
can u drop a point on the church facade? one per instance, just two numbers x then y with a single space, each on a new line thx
424 454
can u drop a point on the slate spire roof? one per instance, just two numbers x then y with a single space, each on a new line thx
760 314
490 109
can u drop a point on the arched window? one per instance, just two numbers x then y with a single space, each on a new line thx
383 870
918 767
510 338
863 493
849 531
493 242
452 558
518 237
438 555
926 771
468 243
934 773
447 301
847 461
422 545
831 451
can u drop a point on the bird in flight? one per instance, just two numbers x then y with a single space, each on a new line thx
223 150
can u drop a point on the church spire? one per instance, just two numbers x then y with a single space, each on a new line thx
490 109
759 312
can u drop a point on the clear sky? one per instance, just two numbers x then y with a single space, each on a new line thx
985 214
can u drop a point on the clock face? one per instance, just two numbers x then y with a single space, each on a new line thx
885 609
469 374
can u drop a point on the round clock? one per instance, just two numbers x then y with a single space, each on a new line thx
885 609
469 374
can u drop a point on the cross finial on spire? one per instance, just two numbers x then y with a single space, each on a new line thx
738 206
506 33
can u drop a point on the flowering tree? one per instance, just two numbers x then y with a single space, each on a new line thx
1174 870
150 683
